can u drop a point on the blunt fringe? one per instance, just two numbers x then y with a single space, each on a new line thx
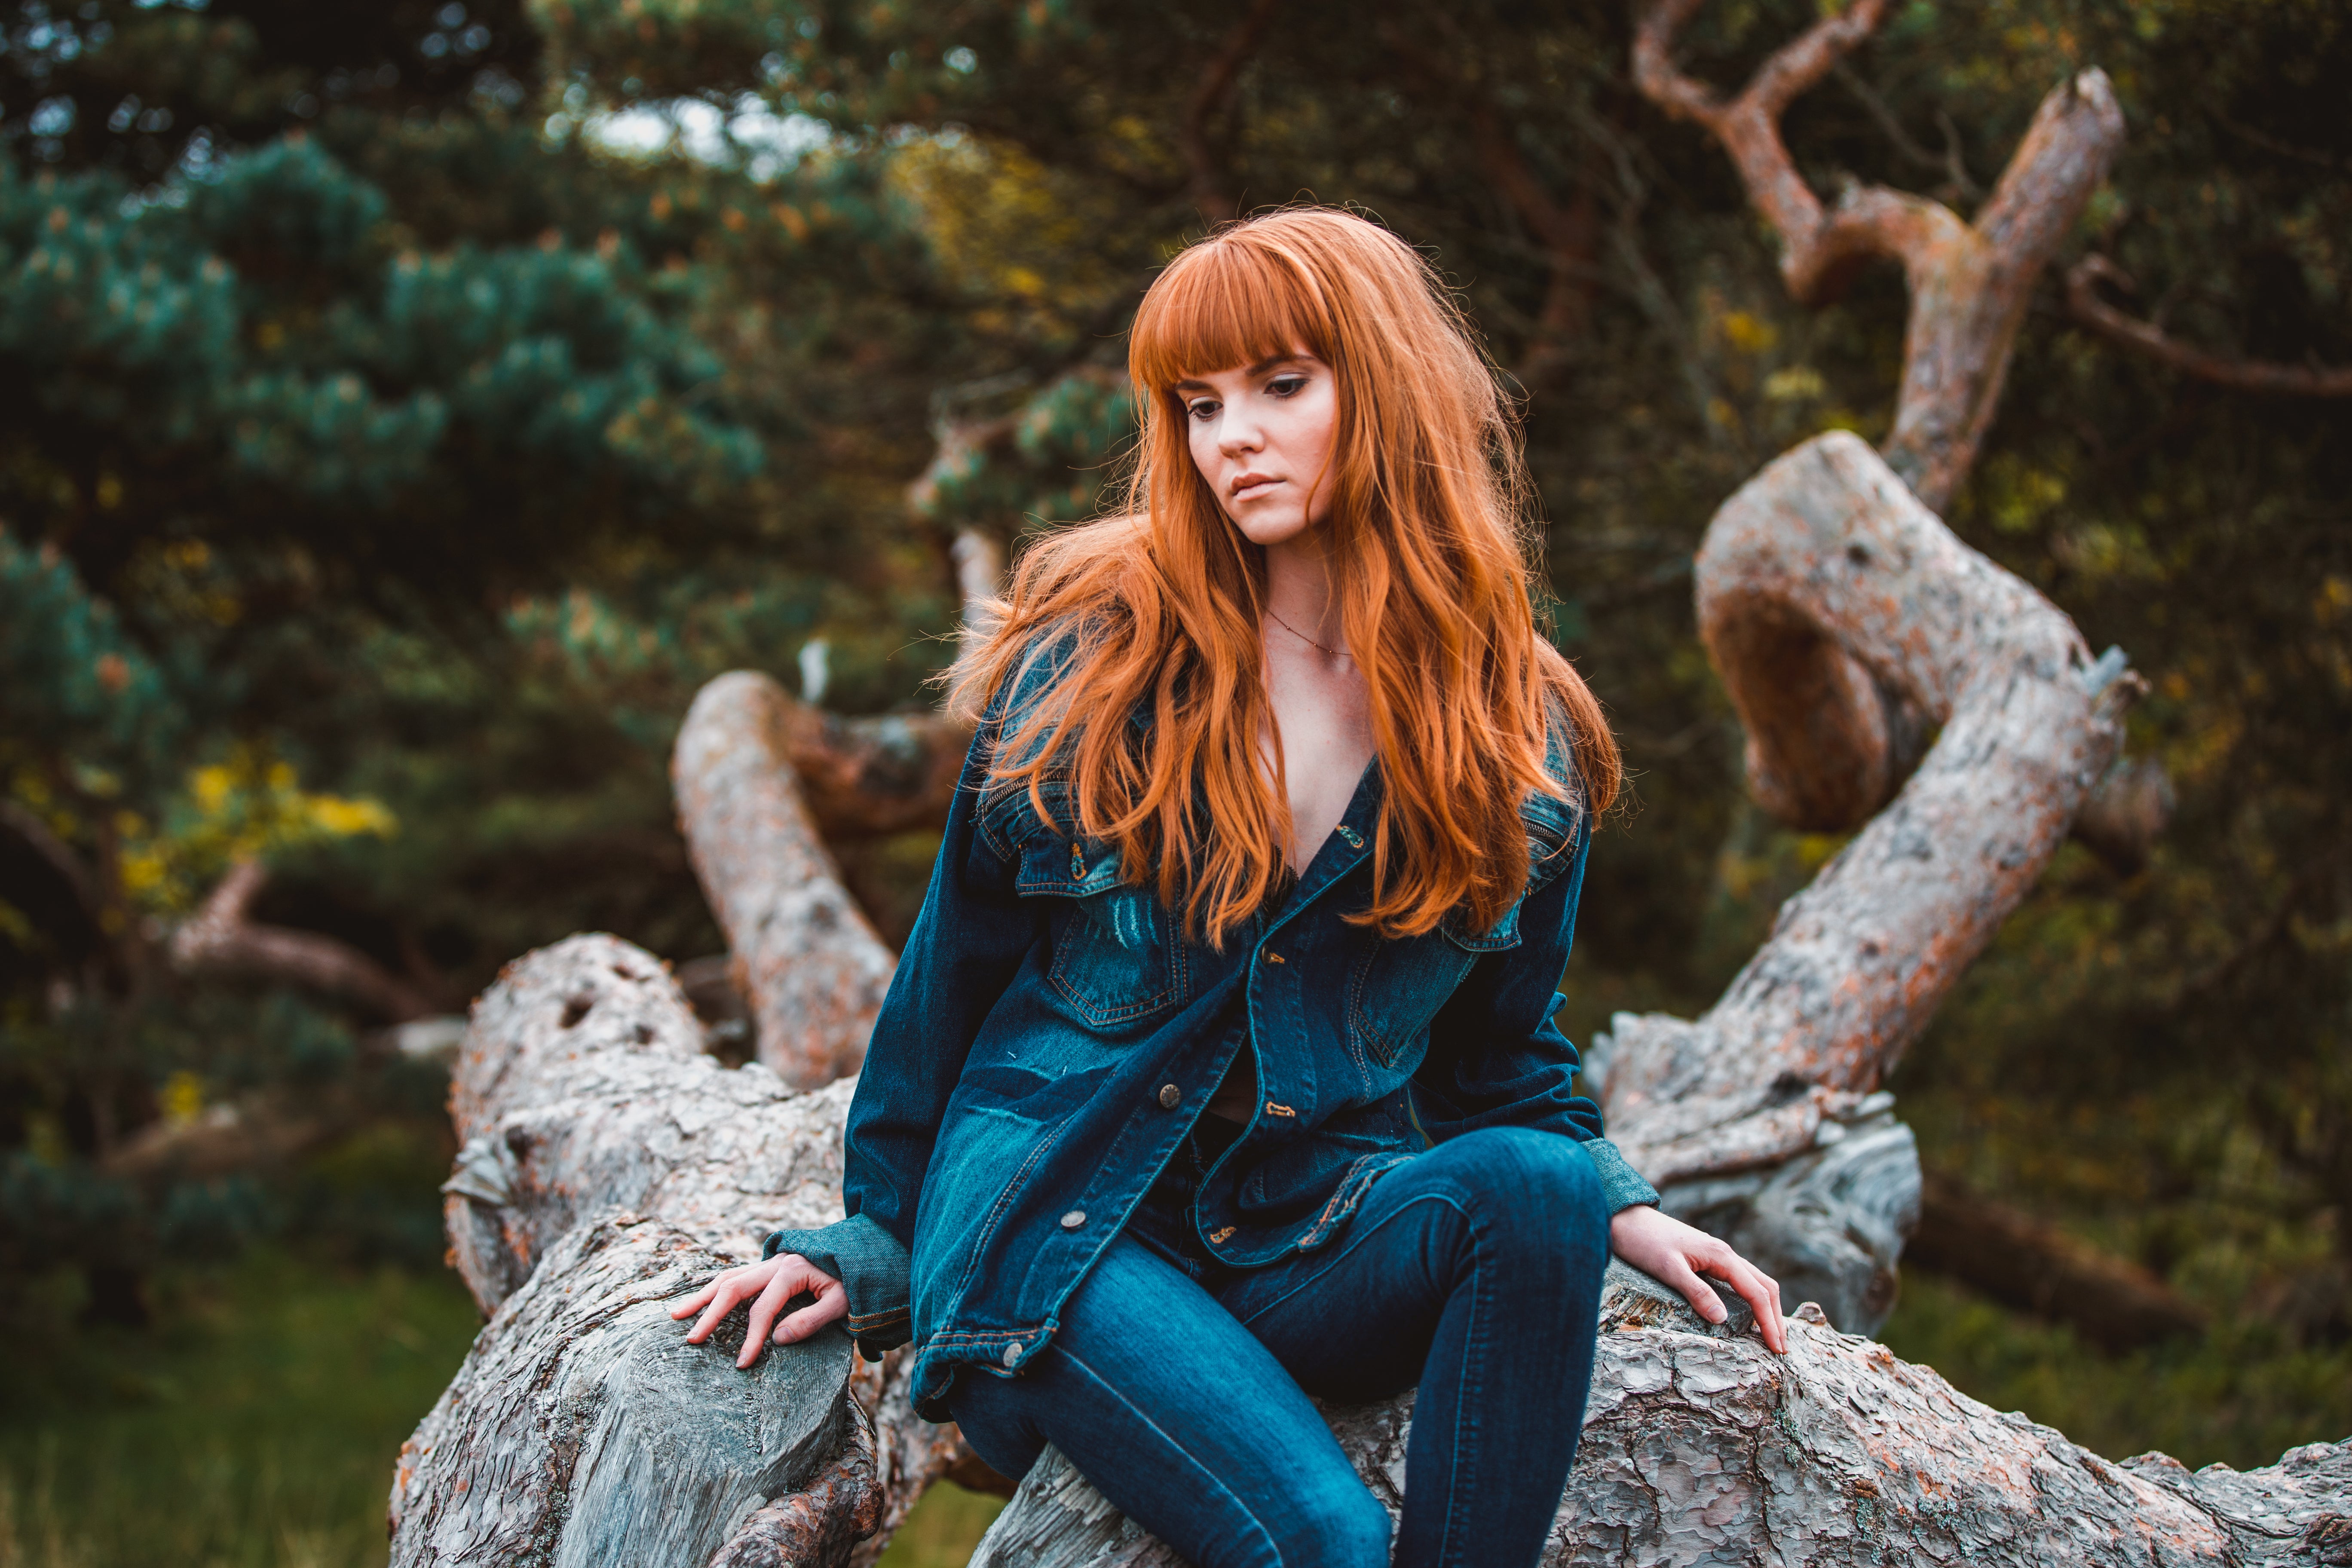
1433 546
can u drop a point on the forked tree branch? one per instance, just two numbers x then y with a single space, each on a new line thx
2082 303
222 937
1969 282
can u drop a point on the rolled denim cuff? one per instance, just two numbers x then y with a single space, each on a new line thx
1621 1184
872 1267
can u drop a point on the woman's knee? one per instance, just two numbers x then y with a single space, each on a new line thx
1337 1523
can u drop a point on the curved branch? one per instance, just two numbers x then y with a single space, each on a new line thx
1748 126
222 938
1822 582
2082 303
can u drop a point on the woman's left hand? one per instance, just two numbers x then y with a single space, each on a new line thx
1664 1248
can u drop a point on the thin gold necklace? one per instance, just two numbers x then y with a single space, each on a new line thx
1302 636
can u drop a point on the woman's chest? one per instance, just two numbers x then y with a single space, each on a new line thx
1322 728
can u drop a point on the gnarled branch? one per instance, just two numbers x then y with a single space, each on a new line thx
1821 583
2082 303
1969 282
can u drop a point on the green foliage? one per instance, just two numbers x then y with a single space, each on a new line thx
76 687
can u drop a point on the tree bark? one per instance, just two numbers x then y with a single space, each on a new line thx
1700 1445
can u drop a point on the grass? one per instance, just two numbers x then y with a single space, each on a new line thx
253 1425
942 1528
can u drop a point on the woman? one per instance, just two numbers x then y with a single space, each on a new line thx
1219 1070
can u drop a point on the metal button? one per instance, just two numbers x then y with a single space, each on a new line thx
1273 957
1012 1354
1075 1218
1169 1097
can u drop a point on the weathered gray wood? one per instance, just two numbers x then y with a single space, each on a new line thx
583 1432
1822 583
1701 1447
609 1166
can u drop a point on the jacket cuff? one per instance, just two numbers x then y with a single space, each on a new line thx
1622 1186
871 1266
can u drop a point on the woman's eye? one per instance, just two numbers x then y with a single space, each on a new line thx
1286 385
1204 409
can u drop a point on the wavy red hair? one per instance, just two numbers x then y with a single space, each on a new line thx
1162 604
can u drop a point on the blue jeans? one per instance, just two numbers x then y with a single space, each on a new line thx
1178 1387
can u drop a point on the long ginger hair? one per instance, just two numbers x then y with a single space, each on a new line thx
1432 545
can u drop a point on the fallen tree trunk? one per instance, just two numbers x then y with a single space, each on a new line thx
1700 1445
610 1167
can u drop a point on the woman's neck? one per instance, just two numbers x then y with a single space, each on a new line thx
1299 591
1318 709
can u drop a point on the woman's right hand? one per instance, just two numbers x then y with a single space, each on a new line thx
767 1285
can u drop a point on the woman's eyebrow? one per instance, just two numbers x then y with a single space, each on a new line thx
1260 368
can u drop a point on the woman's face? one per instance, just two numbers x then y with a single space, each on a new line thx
1261 435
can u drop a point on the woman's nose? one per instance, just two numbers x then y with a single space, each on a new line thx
1238 436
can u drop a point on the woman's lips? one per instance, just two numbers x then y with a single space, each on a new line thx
1252 487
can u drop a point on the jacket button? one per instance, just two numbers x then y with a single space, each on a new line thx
1012 1354
1075 1218
1273 957
1169 1097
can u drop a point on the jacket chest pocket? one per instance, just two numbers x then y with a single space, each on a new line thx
1398 983
1116 959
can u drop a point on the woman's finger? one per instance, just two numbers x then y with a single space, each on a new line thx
696 1302
728 1293
1697 1292
830 1306
1762 1295
781 1286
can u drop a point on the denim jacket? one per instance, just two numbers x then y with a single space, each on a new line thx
1051 1035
